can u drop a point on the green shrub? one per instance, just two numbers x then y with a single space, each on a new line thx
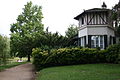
113 53
67 56
39 57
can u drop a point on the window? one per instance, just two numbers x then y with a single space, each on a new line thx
82 20
82 41
97 41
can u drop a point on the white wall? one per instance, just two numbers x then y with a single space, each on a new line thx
110 32
82 32
96 30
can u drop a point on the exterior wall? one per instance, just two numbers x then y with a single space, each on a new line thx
97 30
96 24
110 32
94 18
82 32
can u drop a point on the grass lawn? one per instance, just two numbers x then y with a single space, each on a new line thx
12 62
2 67
24 59
81 72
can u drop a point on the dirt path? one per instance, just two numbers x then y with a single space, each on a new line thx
21 72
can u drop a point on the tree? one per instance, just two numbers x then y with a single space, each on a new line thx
116 18
71 34
50 41
71 31
26 30
4 49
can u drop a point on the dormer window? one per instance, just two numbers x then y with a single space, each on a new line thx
82 20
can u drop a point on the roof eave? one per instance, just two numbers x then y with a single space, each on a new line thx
77 17
88 11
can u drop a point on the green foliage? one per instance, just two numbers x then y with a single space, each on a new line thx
71 35
4 49
26 30
67 56
72 31
114 16
50 41
70 56
113 53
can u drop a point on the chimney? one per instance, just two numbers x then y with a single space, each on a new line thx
104 6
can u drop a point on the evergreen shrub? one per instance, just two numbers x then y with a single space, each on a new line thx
67 56
113 53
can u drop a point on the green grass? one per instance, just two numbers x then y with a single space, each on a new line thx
24 59
2 67
12 62
81 72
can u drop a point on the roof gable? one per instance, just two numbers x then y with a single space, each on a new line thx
92 11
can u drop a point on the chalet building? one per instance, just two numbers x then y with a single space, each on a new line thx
96 28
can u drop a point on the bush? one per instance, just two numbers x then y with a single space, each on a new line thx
67 56
113 53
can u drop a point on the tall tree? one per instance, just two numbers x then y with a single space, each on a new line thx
71 34
71 31
50 41
26 30
4 49
116 19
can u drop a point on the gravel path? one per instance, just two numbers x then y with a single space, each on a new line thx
21 72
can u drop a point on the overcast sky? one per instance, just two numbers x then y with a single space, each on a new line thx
58 14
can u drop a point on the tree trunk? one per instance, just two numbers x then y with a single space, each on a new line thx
28 57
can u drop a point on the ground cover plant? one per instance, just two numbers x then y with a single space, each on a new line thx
81 72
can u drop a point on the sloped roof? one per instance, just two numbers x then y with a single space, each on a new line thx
117 6
92 10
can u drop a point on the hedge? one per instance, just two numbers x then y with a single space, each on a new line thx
70 56
67 56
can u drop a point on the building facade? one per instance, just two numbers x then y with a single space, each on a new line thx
96 28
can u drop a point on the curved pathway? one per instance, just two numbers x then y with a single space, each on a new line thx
21 72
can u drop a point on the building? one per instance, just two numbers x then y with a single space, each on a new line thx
96 28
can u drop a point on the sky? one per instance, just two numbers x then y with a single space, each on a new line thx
58 14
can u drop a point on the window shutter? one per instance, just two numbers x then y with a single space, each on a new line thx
110 40
85 41
105 41
114 40
89 41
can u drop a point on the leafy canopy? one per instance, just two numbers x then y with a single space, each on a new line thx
71 31
26 30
